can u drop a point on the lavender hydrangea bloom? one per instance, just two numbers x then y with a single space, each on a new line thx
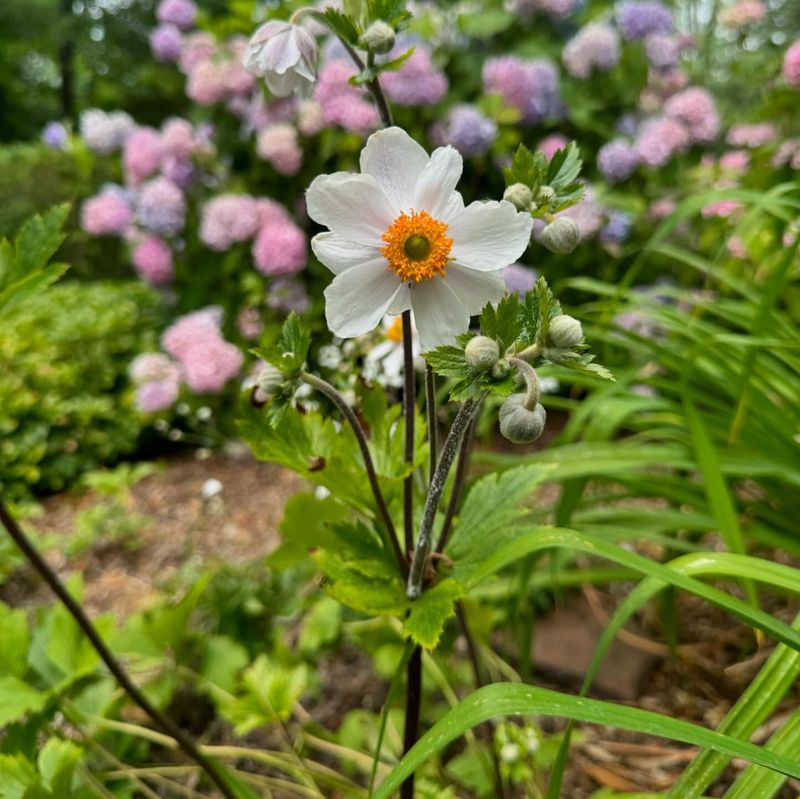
594 47
530 86
166 42
695 107
417 82
161 207
55 135
617 160
286 295
519 279
181 13
618 227
104 133
639 18
467 129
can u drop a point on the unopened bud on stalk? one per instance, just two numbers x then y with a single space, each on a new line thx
565 332
378 38
546 194
561 235
519 195
518 424
482 353
269 380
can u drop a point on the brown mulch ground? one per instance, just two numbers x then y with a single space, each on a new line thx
714 662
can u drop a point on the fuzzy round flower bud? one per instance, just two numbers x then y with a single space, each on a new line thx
565 332
518 424
519 195
482 353
561 235
546 194
268 381
378 38
285 55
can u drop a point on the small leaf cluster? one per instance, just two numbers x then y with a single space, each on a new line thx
554 185
516 325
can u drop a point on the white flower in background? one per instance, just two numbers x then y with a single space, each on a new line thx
383 363
285 55
400 238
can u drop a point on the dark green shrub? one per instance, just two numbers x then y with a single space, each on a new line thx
66 405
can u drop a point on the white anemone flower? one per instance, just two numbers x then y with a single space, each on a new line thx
285 55
400 238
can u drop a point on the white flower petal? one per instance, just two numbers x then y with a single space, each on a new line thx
402 302
339 254
453 207
438 181
489 236
352 206
475 288
396 161
358 298
438 313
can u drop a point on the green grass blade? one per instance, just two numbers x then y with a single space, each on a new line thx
758 783
513 699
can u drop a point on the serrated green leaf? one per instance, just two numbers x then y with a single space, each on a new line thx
449 361
321 626
502 322
527 168
223 659
57 763
429 613
342 25
18 698
17 775
564 168
584 364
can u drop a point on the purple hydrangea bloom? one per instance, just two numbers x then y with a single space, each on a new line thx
617 160
594 47
417 82
530 86
181 13
55 135
520 279
466 129
166 42
639 18
618 227
161 207
286 295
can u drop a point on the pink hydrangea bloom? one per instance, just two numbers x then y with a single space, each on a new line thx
735 161
280 249
660 139
166 43
210 364
695 107
178 138
236 79
142 155
181 13
417 82
662 208
197 47
249 323
342 104
309 118
157 395
150 367
742 13
206 84
530 86
594 47
549 145
278 144
737 248
754 135
152 259
791 65
106 214
270 212
185 333
228 219
721 208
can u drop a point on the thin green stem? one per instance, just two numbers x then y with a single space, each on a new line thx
424 540
186 744
531 380
361 437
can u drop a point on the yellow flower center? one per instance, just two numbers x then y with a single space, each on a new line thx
417 247
395 330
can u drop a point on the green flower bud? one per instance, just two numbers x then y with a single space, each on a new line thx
517 423
561 235
269 380
482 353
546 194
519 195
378 38
565 332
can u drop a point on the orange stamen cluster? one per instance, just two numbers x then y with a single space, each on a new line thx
417 247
